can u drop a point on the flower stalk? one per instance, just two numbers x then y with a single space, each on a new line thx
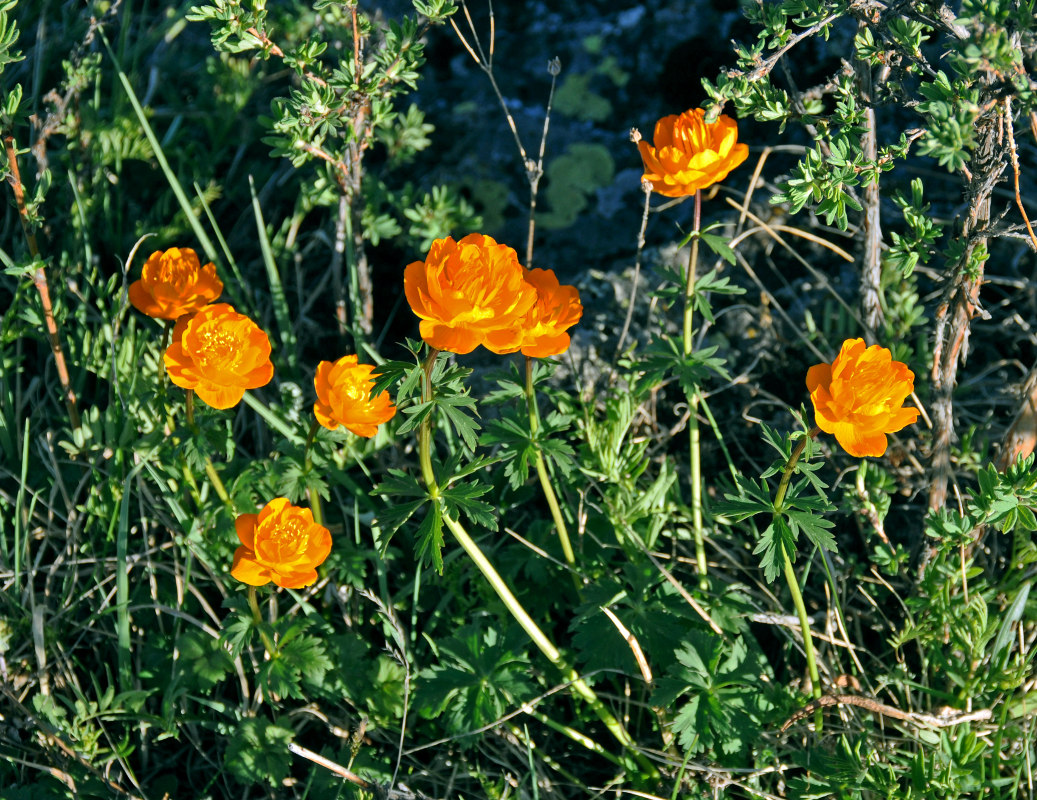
257 620
521 616
210 470
312 493
694 435
542 473
793 581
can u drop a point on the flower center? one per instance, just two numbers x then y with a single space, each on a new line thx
287 537
216 346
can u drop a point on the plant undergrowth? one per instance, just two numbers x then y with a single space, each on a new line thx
759 523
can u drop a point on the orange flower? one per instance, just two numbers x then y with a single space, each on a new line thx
859 397
690 153
470 293
282 544
557 309
219 353
344 397
173 283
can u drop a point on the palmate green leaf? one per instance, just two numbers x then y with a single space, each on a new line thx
480 677
430 539
405 495
258 751
203 660
754 498
816 528
455 408
559 453
516 451
722 681
387 373
237 628
664 358
416 414
776 537
719 245
300 658
294 481
460 498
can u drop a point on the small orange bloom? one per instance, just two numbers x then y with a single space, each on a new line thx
859 397
219 353
173 283
282 544
470 293
690 153
557 309
344 397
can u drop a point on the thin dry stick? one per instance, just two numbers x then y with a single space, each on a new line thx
534 169
867 703
1015 168
871 260
646 187
39 280
635 646
958 305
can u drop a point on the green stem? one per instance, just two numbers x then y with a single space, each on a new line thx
425 431
257 619
545 645
793 581
693 402
542 473
577 736
210 470
314 495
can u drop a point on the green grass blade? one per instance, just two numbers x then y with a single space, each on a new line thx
19 504
122 584
156 146
284 320
274 421
239 300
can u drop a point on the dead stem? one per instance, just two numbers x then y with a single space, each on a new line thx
39 280
958 305
871 261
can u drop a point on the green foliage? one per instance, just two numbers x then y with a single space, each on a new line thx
718 682
479 677
134 663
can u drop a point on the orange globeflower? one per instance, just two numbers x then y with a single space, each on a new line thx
470 293
282 544
219 353
557 309
173 283
344 397
859 397
690 153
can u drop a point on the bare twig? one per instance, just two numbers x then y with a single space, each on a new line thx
871 261
960 303
1015 168
917 719
646 187
39 280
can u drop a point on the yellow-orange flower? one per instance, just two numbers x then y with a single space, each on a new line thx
173 283
859 397
470 293
557 309
690 153
282 544
219 353
344 397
